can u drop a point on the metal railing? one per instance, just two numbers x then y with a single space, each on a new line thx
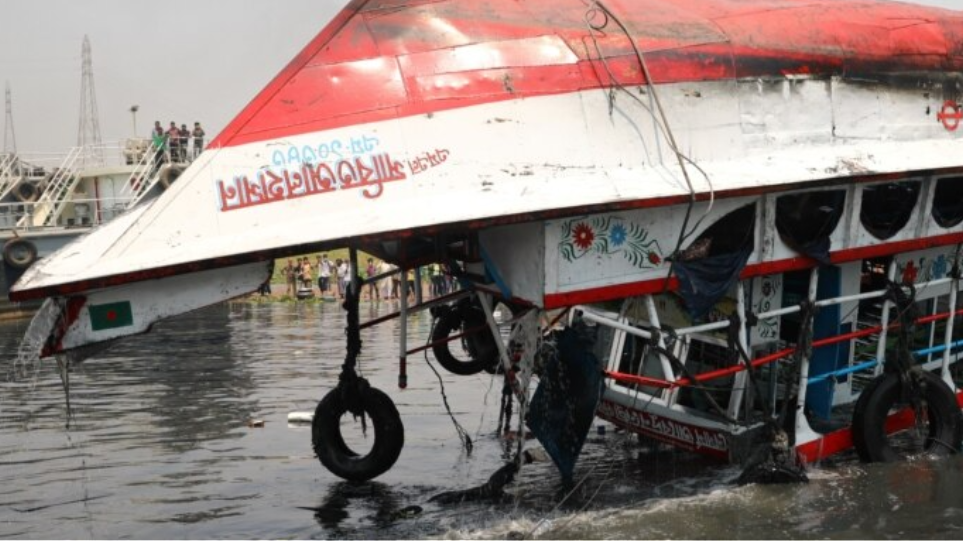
55 194
20 216
144 176
949 344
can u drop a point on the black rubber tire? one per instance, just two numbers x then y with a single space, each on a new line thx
480 347
334 453
19 253
26 192
874 405
859 412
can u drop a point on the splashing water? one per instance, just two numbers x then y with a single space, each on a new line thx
27 364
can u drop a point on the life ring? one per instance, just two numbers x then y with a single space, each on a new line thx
26 192
873 407
19 253
479 346
337 456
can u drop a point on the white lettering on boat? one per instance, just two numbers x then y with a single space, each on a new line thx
271 185
686 436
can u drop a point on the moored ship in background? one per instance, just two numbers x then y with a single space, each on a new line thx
48 200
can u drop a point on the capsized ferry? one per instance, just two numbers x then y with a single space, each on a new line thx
730 226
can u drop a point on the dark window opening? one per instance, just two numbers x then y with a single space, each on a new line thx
806 220
640 359
948 202
712 263
731 233
887 207
705 357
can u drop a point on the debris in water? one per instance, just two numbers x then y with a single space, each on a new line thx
301 417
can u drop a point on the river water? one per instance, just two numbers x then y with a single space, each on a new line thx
160 445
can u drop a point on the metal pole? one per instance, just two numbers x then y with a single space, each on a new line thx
417 284
803 431
403 331
884 322
653 315
739 382
948 336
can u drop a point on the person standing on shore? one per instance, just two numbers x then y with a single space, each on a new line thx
290 278
341 268
395 282
370 272
324 273
307 276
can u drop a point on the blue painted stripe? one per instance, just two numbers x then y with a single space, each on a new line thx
870 364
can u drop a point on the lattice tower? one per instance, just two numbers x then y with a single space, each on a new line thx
9 137
88 133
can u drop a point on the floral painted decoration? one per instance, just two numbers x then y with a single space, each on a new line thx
608 236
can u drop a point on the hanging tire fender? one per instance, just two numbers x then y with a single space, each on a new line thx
329 444
872 410
169 174
26 192
482 350
19 253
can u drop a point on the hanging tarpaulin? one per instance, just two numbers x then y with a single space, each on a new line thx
568 394
704 282
713 262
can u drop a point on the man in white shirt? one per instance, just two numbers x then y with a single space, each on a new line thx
324 273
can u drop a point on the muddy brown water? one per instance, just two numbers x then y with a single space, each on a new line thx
160 446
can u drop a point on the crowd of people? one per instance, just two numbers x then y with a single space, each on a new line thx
331 278
176 145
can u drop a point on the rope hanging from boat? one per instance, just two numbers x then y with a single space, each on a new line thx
505 411
772 458
460 430
595 8
350 384
736 347
803 350
907 314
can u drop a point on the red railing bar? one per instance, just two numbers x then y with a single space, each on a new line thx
762 361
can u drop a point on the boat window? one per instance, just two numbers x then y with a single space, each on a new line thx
640 359
705 357
712 263
887 207
806 220
948 202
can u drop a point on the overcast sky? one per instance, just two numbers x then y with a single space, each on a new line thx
180 60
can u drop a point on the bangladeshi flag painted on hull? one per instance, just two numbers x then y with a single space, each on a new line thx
111 316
